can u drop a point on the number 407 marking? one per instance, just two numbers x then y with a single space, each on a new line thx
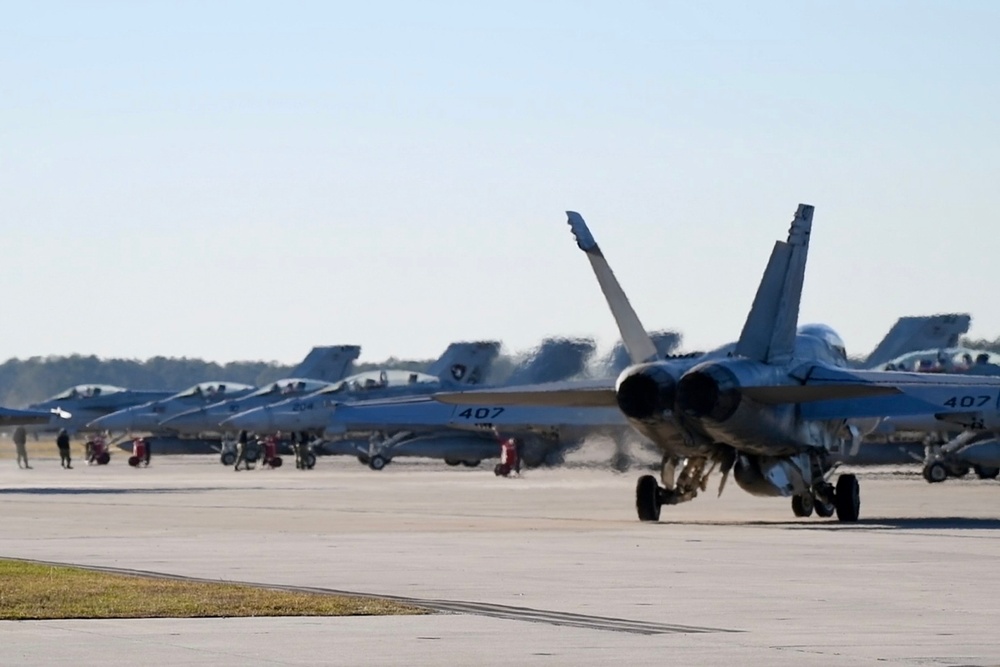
968 401
481 413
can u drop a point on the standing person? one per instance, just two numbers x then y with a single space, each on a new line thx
20 442
62 442
148 448
241 450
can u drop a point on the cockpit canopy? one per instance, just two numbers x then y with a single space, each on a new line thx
944 360
87 391
213 389
827 335
380 379
291 387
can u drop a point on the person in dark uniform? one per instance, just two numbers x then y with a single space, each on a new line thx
62 442
20 444
148 453
241 450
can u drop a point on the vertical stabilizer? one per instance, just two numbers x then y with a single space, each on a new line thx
769 332
329 363
911 334
465 363
554 360
638 343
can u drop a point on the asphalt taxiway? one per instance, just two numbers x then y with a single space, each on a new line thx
552 568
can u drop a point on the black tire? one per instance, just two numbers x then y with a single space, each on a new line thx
452 462
377 462
958 471
134 461
275 462
228 458
362 459
986 472
848 498
802 505
308 460
104 458
647 498
824 509
935 472
498 469
470 464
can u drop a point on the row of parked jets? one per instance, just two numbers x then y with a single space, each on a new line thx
779 410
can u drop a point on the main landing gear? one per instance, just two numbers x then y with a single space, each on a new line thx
825 500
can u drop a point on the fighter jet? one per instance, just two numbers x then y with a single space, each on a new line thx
770 409
383 430
87 402
461 365
323 362
13 417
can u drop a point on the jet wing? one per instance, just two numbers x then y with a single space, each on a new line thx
12 417
570 394
833 393
425 412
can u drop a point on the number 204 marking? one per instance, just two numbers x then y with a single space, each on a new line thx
967 401
481 413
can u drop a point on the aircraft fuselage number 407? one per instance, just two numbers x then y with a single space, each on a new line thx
480 413
968 401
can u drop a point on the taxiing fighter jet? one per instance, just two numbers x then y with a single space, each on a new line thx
770 409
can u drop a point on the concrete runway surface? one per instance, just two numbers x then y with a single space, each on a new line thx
549 569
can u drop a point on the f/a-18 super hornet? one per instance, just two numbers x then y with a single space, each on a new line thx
86 402
770 409
463 364
321 368
460 433
326 361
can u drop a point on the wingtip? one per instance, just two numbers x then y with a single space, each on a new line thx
584 239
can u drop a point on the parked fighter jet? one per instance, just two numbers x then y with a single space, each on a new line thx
771 408
323 361
87 402
461 365
12 417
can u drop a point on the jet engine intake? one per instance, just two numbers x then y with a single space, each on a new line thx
646 391
709 392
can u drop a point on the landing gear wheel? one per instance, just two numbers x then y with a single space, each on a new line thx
935 472
824 509
986 472
847 498
377 462
452 462
362 459
470 464
308 460
228 458
104 458
958 471
802 505
647 498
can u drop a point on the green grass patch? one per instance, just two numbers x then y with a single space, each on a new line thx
32 591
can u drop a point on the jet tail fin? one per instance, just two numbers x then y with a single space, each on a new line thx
328 363
465 363
769 332
638 343
555 359
910 334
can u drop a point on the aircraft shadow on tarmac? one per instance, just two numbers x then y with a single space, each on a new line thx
60 491
885 523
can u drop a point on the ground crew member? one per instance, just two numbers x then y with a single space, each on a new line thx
148 450
20 442
301 446
62 442
241 451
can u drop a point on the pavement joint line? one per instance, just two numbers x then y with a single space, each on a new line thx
491 610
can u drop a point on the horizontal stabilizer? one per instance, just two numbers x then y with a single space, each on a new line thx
812 393
556 394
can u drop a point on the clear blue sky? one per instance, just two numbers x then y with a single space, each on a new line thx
244 180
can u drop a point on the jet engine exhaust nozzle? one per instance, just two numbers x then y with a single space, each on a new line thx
645 391
709 393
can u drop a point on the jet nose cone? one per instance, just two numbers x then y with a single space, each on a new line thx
259 420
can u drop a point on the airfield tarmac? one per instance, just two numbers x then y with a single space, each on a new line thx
549 569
